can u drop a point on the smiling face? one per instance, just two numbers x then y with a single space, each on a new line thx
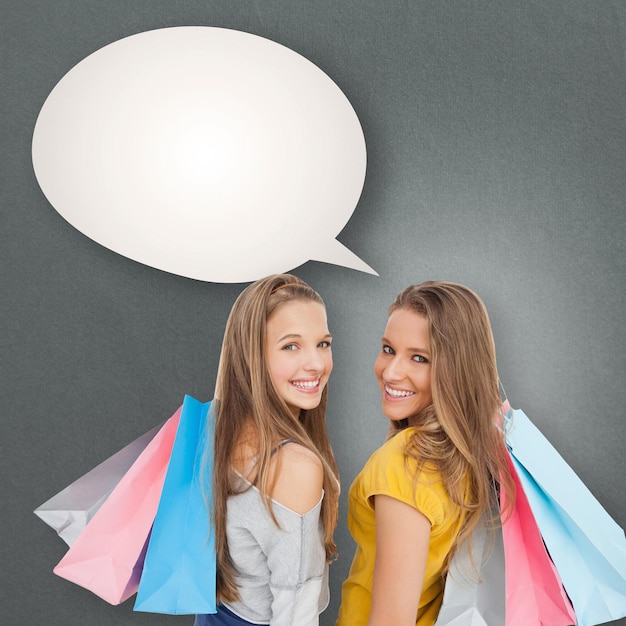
403 365
298 353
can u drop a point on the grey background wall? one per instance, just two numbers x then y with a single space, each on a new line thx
496 158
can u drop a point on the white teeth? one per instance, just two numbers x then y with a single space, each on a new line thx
396 393
306 384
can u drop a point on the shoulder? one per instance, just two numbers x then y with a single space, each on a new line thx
298 483
386 470
391 472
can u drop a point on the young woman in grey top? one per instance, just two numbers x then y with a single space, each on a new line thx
275 485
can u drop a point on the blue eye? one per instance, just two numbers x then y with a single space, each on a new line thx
323 344
290 347
388 349
418 358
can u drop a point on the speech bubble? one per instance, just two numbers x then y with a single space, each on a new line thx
205 152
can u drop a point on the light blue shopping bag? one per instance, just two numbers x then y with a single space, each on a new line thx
586 545
179 570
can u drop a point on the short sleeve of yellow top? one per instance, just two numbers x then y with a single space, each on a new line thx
388 472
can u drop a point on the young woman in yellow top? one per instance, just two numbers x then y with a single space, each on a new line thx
424 491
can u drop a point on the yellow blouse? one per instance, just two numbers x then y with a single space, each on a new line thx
389 472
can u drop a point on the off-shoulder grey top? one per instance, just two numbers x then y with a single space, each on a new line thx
282 572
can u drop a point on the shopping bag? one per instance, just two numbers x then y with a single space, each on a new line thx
584 542
534 591
179 570
107 556
473 598
69 511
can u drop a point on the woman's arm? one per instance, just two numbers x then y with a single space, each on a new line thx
402 536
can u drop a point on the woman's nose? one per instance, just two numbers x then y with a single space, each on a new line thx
394 370
313 360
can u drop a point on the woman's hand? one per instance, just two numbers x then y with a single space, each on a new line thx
402 537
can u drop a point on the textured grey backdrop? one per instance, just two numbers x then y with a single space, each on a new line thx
496 158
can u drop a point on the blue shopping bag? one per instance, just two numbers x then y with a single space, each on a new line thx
586 545
179 570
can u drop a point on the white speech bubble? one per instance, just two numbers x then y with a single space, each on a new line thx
205 152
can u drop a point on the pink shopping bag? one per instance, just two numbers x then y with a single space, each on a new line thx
107 557
534 591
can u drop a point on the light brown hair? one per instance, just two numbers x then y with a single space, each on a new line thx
245 396
460 433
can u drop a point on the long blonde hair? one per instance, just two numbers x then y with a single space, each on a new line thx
245 395
460 433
